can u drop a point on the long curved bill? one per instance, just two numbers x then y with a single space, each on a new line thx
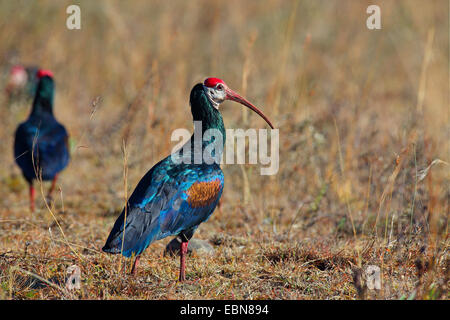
231 95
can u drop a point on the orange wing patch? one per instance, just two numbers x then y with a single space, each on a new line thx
202 194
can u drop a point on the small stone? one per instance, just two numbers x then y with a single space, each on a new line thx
373 277
73 280
195 245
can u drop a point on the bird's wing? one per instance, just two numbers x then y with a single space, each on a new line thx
50 150
23 144
168 200
20 141
52 146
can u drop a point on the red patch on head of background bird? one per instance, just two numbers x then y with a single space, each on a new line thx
43 73
16 69
212 82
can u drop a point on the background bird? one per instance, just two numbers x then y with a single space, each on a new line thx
22 82
175 196
41 143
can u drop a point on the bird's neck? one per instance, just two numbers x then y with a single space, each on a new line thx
209 129
42 107
43 100
208 139
211 123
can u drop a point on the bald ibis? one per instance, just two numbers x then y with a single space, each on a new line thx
41 143
174 197
22 82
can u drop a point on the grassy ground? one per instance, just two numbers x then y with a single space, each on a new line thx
364 141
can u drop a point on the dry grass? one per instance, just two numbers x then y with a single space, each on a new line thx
362 114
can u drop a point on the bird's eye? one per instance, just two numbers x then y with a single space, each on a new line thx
220 87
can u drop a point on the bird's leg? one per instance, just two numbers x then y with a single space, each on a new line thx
52 188
31 197
183 252
135 265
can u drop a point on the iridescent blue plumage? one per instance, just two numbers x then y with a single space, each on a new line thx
159 206
50 151
175 196
172 198
41 142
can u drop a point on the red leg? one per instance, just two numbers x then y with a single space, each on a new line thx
52 188
135 265
31 197
183 251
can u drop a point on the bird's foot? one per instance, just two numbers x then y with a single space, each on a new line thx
135 265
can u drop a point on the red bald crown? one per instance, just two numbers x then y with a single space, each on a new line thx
16 69
212 82
42 73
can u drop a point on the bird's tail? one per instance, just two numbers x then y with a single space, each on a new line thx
113 244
